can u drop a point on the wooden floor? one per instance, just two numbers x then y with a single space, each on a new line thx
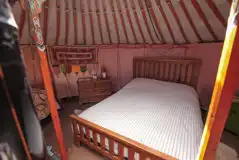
84 153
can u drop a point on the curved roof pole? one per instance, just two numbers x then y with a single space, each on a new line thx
204 19
33 5
66 21
22 22
46 6
190 20
171 7
75 22
99 20
89 5
58 22
225 86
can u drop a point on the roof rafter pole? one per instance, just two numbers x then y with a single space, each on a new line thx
145 19
216 12
166 20
204 19
177 19
137 19
22 4
45 70
66 21
155 21
225 86
122 21
115 20
130 20
190 20
22 22
83 21
75 21
99 20
46 5
106 20
91 21
58 22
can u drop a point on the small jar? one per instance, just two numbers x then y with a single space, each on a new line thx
104 75
94 77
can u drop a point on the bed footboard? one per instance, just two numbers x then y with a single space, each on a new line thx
111 144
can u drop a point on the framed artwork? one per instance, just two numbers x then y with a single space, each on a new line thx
72 55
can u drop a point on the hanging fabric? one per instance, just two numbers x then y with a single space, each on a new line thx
20 130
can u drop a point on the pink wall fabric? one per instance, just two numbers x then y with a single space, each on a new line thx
117 59
118 62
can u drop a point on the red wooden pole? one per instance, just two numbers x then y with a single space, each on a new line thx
224 89
171 7
107 21
66 21
204 19
166 20
58 22
130 20
216 12
75 21
46 76
190 19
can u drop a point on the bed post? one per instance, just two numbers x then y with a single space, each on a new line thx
225 86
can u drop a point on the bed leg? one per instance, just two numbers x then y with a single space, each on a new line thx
77 143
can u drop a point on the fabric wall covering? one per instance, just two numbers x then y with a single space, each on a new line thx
87 22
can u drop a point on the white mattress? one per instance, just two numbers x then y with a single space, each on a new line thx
162 115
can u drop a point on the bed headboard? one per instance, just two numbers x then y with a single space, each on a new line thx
176 70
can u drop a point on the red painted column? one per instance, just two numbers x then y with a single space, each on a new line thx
225 86
33 4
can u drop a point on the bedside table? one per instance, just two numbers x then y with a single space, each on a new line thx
233 117
94 90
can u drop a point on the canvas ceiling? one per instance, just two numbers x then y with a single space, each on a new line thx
71 22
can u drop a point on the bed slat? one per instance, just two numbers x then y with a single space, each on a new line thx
81 133
166 73
183 73
142 156
152 69
161 73
142 73
95 138
189 73
178 69
172 71
121 151
156 73
87 134
131 154
111 146
102 142
146 69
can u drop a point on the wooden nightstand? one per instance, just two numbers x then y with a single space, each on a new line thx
233 117
94 90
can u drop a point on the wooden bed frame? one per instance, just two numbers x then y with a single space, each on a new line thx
185 71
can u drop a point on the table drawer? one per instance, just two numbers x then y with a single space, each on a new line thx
86 85
92 99
103 84
94 94
86 93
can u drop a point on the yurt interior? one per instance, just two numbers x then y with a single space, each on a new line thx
134 79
